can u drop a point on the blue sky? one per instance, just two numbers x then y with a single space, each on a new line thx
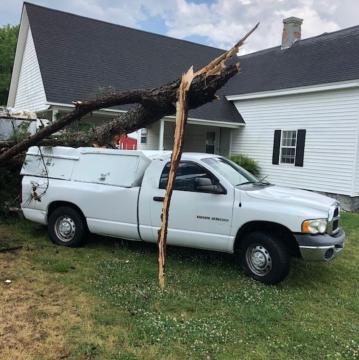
217 23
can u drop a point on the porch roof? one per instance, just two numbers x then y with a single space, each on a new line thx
202 122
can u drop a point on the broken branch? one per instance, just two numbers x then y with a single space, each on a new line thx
181 119
10 249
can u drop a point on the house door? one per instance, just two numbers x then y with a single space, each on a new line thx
210 142
197 219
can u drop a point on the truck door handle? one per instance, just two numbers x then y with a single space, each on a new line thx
158 198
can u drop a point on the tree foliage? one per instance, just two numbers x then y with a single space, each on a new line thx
8 38
247 163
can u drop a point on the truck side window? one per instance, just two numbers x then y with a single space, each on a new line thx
187 172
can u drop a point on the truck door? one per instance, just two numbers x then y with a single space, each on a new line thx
197 218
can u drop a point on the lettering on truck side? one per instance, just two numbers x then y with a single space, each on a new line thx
201 217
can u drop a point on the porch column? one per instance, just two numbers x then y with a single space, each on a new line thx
55 113
161 135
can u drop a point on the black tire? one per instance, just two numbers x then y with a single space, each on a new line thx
67 227
264 257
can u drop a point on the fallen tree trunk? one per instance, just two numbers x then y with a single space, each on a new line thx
161 104
153 104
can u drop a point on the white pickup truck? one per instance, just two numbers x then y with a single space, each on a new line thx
216 205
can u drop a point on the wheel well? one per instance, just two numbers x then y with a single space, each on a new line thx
283 232
56 204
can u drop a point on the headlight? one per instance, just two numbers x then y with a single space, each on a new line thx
316 226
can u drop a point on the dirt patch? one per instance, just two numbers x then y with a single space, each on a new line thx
36 313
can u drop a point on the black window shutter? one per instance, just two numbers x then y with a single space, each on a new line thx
299 153
276 147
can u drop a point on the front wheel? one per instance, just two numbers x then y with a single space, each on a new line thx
67 227
264 258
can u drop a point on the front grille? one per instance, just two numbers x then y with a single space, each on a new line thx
333 226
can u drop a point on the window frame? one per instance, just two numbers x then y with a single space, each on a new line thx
143 135
288 146
212 176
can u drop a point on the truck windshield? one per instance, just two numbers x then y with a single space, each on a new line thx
231 171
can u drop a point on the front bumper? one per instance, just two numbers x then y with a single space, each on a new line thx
320 247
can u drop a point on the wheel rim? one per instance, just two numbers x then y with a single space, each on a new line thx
259 260
65 228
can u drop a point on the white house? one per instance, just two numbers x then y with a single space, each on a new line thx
294 108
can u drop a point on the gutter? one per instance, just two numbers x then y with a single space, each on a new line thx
294 91
62 106
194 121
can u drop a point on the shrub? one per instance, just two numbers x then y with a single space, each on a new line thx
10 189
247 163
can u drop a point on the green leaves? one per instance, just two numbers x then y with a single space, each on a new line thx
247 163
8 39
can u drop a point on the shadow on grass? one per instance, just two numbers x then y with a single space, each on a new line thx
303 274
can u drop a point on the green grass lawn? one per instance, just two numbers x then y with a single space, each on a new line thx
111 307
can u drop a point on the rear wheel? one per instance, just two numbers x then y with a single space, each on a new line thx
264 257
67 227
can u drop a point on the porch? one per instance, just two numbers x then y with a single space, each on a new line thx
206 136
213 137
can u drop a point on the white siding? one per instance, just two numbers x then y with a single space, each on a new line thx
331 121
152 138
30 93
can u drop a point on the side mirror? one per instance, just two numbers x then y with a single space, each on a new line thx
205 184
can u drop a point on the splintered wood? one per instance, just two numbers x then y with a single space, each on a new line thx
181 120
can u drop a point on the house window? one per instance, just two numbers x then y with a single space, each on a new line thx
288 146
144 136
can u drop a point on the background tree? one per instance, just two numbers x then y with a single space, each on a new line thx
8 38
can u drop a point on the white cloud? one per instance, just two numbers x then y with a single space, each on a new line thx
124 12
313 23
218 23
225 21
213 22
